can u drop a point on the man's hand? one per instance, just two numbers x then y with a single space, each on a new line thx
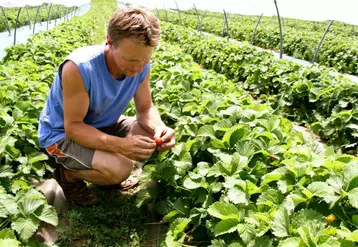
138 147
167 137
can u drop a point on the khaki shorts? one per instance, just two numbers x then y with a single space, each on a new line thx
74 156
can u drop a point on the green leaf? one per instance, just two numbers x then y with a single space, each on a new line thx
306 236
353 197
47 214
37 158
203 168
331 242
218 243
347 234
9 242
353 183
7 233
275 175
322 190
308 217
223 211
183 206
336 182
223 124
170 215
235 244
190 184
178 226
29 205
247 232
26 226
270 198
281 223
235 134
226 226
6 141
6 172
237 196
263 241
207 130
290 242
196 215
171 241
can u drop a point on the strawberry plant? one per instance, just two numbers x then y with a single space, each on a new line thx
314 96
339 50
240 175
57 11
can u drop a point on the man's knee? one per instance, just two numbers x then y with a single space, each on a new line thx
115 167
119 173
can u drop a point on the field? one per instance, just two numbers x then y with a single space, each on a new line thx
265 154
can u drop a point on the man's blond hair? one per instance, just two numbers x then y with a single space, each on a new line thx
135 23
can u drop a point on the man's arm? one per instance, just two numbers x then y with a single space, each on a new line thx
149 119
76 103
147 115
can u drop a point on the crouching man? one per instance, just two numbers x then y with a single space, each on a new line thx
82 126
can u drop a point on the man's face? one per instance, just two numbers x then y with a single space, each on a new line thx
130 57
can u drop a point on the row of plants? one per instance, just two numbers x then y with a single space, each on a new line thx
308 95
240 175
338 27
26 75
57 11
337 51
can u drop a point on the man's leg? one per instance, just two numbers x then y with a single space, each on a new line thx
108 168
95 166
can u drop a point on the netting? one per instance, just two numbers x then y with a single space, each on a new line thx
314 10
22 3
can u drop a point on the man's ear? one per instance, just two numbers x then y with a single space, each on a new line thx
109 42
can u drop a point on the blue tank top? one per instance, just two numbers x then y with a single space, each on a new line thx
108 97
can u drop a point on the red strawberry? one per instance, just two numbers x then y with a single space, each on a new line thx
158 141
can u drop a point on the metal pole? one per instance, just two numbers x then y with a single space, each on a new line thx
6 20
202 18
227 25
353 29
166 13
198 18
178 12
58 8
37 13
253 34
48 15
320 43
64 14
17 20
279 23
28 17
294 25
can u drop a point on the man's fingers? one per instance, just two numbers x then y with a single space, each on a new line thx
168 136
167 145
159 132
146 143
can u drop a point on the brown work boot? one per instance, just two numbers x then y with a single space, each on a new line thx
75 192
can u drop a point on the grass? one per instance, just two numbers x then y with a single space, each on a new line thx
116 221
